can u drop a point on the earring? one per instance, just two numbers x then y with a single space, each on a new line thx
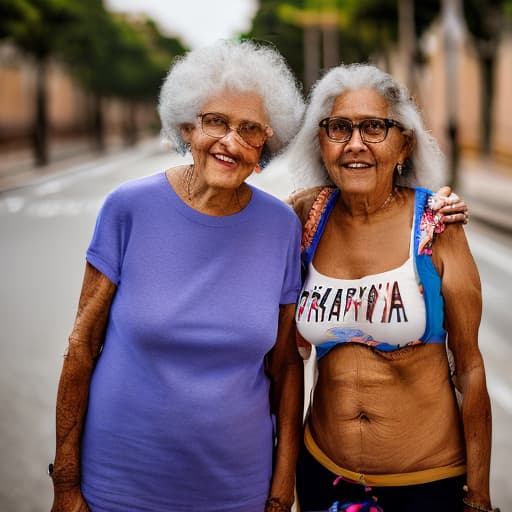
400 169
257 168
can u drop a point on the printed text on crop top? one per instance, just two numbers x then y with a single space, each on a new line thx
386 311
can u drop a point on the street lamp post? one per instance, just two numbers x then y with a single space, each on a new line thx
452 34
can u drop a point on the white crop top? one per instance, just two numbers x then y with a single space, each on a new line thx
386 310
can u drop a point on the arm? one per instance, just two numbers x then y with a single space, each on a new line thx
463 307
84 348
285 369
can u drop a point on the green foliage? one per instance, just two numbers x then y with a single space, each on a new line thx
35 25
269 26
110 55
15 17
507 8
366 27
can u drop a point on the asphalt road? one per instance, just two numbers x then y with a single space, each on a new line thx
44 231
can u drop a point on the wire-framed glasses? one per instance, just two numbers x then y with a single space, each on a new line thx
217 126
339 129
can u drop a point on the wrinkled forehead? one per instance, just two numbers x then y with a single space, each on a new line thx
359 104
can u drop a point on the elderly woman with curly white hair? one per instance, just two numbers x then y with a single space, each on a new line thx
386 308
182 387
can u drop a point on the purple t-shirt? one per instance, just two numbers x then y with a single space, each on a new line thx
178 415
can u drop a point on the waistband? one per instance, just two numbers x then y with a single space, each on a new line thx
388 480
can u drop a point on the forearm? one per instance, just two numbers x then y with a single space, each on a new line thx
476 417
71 407
289 405
84 348
286 373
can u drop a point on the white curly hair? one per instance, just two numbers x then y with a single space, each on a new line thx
245 66
426 165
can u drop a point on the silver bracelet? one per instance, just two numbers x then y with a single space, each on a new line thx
478 507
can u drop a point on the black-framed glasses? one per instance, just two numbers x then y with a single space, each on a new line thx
339 129
217 126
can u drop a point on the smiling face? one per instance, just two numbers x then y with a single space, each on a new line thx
358 167
225 163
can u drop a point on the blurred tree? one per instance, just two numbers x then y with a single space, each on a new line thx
88 48
117 56
378 20
35 26
367 29
486 20
109 55
297 28
269 26
142 61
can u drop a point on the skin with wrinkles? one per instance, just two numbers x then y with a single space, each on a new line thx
375 412
215 185
84 348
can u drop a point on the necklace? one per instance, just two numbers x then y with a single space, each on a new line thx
189 173
387 200
188 177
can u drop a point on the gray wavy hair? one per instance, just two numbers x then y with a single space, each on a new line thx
244 66
425 166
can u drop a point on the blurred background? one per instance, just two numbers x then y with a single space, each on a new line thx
79 80
85 74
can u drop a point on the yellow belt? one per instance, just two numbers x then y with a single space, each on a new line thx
389 480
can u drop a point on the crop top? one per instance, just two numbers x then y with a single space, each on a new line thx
387 311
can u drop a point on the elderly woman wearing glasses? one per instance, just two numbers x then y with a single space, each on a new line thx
387 309
185 325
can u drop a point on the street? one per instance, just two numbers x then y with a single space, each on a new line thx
45 229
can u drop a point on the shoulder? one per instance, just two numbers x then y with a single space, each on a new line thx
129 193
138 186
302 200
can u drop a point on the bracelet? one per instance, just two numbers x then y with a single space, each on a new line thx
478 507
275 504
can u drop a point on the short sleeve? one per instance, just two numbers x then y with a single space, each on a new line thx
292 279
106 249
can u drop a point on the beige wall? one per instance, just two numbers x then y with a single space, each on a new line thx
67 103
432 97
16 87
69 106
503 102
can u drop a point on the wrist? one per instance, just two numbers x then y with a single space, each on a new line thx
63 479
472 502
476 506
277 505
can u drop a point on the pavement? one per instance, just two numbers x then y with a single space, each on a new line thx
484 183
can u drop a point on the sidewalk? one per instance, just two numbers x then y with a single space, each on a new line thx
17 168
484 184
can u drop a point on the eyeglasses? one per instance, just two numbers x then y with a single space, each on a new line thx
217 126
339 129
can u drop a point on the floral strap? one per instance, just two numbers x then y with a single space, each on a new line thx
315 214
431 225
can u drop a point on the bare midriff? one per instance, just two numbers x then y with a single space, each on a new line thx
387 412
